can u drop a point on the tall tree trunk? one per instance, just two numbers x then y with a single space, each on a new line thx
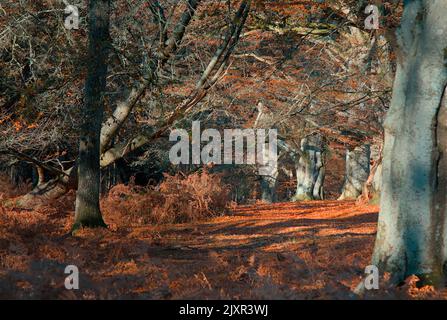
87 197
310 170
357 172
377 181
318 191
411 235
168 49
269 178
268 187
371 188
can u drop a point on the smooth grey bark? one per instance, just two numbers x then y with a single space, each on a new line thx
122 111
371 188
87 196
318 192
357 172
269 182
310 170
411 235
168 48
376 171
377 180
268 188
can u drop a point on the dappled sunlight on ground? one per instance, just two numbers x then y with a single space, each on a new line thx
307 250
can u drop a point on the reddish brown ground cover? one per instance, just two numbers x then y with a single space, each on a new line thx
311 250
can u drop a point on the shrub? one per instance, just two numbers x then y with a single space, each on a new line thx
9 190
177 199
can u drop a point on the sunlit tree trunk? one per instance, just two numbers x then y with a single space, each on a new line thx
58 186
377 180
318 191
310 170
357 172
40 175
411 236
371 188
87 196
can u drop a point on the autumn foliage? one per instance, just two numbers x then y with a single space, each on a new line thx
177 199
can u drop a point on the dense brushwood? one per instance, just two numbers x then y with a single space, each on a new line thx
176 199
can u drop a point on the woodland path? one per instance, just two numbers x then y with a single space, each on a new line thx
306 250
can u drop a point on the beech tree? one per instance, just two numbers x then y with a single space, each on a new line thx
149 68
268 187
153 70
371 188
310 170
87 196
411 237
357 171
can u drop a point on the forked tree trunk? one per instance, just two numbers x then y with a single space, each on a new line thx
310 170
411 235
87 196
357 172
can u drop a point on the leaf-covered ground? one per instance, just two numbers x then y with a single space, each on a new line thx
311 250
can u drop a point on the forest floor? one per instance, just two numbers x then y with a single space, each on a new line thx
308 250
